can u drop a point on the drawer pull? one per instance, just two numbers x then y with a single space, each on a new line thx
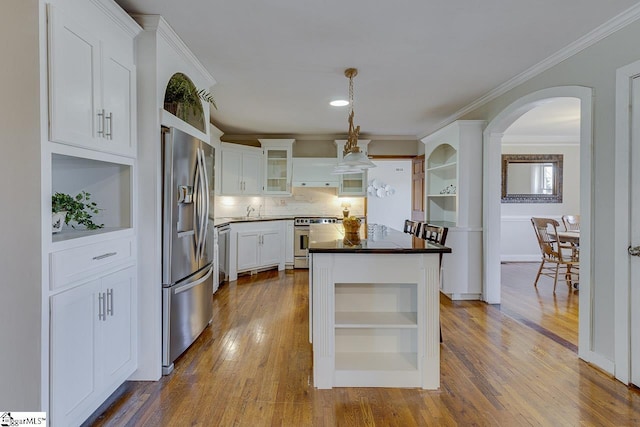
103 256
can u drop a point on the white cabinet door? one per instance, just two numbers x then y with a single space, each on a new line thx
289 243
91 93
93 343
270 249
353 184
74 326
251 167
248 250
277 166
74 69
118 89
231 162
241 170
118 338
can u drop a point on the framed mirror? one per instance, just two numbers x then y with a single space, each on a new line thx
532 178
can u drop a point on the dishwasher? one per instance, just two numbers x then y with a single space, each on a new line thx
223 253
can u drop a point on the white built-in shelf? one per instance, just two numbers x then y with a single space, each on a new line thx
441 195
391 362
70 237
442 167
376 319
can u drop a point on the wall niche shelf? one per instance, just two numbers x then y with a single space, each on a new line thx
110 185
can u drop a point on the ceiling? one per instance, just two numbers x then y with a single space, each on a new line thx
278 64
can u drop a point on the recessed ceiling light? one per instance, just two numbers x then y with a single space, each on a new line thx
339 103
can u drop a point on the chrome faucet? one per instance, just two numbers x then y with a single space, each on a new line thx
249 210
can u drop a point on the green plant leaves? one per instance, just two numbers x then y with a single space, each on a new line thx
79 209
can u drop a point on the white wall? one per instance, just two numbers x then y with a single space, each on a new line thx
594 67
21 121
517 239
390 210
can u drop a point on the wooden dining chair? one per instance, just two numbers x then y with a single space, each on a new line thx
571 222
410 226
556 256
434 233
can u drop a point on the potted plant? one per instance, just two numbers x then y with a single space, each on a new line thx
182 98
79 209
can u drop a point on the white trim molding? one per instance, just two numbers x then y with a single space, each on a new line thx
492 146
622 224
622 20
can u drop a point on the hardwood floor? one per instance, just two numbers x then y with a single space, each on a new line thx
553 315
252 367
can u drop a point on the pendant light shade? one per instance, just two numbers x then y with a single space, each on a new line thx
353 160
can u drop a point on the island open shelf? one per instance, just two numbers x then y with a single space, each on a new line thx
374 310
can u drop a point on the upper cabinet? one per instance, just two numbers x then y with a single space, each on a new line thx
91 87
241 172
352 184
277 166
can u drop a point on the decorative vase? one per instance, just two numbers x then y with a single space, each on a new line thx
57 220
351 231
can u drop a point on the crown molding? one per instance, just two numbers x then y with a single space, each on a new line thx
618 22
119 17
158 24
552 140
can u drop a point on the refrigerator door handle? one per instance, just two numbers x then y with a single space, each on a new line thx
205 201
187 286
198 207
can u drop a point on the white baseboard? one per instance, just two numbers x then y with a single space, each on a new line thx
520 258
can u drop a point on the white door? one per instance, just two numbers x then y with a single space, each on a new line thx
117 347
635 231
117 93
231 162
251 171
74 325
270 249
248 250
74 73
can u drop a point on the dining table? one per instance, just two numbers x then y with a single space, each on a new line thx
572 237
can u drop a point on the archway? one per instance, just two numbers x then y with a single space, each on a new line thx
492 190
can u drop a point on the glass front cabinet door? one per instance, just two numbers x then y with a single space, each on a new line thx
277 166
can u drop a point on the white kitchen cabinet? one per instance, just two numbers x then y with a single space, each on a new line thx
241 170
259 249
289 244
315 172
92 86
352 184
453 195
93 344
256 245
277 166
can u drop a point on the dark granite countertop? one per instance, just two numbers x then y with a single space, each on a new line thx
329 238
217 222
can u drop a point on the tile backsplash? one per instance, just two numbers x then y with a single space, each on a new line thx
303 202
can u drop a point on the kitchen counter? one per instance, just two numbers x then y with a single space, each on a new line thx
374 310
220 221
329 238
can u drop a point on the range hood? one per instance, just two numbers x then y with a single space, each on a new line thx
314 172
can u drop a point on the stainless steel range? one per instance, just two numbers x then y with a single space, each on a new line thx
301 238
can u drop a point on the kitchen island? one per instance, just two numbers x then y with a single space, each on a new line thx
374 309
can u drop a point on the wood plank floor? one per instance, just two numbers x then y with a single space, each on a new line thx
253 367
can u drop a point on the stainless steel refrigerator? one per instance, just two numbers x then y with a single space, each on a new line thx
187 245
